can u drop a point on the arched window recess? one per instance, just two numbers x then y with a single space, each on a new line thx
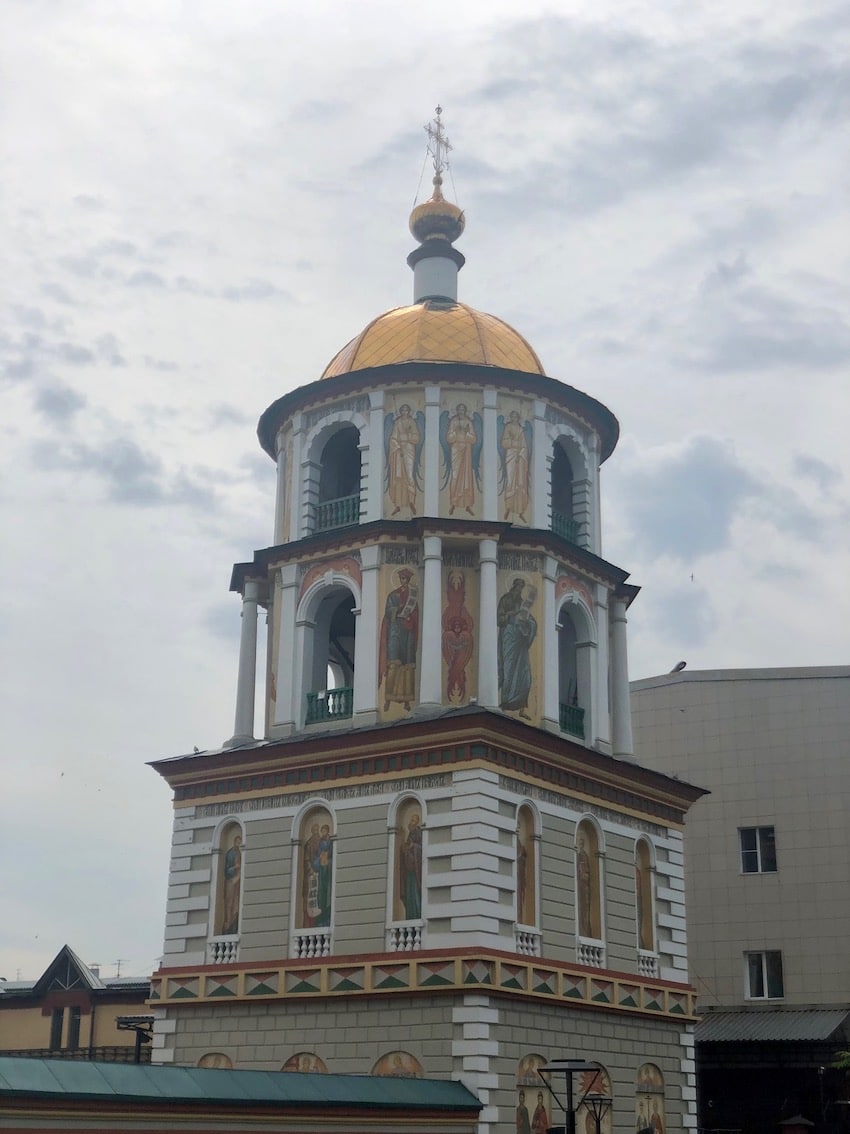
329 656
338 503
564 522
647 943
590 901
406 888
575 668
226 896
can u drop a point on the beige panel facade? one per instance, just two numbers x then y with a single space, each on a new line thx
773 747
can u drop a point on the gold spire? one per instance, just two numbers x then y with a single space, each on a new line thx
437 218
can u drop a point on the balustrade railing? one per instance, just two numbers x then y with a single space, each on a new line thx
330 705
565 527
590 953
337 513
221 950
311 943
647 963
528 942
404 938
571 719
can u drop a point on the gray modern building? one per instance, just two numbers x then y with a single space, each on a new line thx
767 881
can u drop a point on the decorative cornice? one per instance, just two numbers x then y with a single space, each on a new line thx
431 972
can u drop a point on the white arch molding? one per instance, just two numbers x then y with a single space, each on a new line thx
584 624
307 490
306 678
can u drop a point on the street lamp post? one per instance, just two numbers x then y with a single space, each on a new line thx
568 1068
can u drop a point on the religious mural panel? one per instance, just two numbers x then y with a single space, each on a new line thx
398 1065
588 897
526 868
519 618
643 897
404 452
229 883
515 444
307 1063
532 1113
649 1099
398 646
460 612
590 1119
461 443
314 896
407 881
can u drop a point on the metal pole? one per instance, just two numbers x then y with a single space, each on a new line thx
571 1114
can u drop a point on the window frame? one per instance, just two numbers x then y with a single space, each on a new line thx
764 848
766 978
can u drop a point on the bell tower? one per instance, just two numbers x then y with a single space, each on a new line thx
435 845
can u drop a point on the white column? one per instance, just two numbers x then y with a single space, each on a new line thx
280 536
433 457
490 458
296 504
372 491
593 472
488 636
288 660
243 730
623 748
551 656
366 634
541 478
431 675
600 726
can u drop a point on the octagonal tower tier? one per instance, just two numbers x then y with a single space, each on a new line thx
435 476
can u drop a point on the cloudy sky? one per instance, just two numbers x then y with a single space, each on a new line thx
204 201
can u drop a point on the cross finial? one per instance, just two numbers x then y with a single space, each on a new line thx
439 148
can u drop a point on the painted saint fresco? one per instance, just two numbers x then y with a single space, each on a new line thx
649 1100
404 438
458 642
526 871
643 898
229 881
515 439
517 627
315 870
216 1060
532 1115
398 1065
400 640
593 1083
461 441
408 898
587 883
307 1063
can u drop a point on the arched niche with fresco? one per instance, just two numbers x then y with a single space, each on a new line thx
645 908
313 884
592 1119
527 881
590 912
649 1100
307 1063
406 882
398 1065
532 1098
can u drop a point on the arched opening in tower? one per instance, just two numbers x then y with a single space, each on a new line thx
331 693
571 712
339 480
563 521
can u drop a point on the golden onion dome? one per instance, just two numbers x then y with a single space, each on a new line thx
436 330
437 218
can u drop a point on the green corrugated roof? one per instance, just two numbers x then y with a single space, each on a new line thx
770 1025
114 1082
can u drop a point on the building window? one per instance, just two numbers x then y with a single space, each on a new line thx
73 1028
758 850
57 1019
764 975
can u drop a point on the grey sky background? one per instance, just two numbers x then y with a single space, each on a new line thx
203 202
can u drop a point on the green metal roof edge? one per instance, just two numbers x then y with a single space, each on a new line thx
150 1083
